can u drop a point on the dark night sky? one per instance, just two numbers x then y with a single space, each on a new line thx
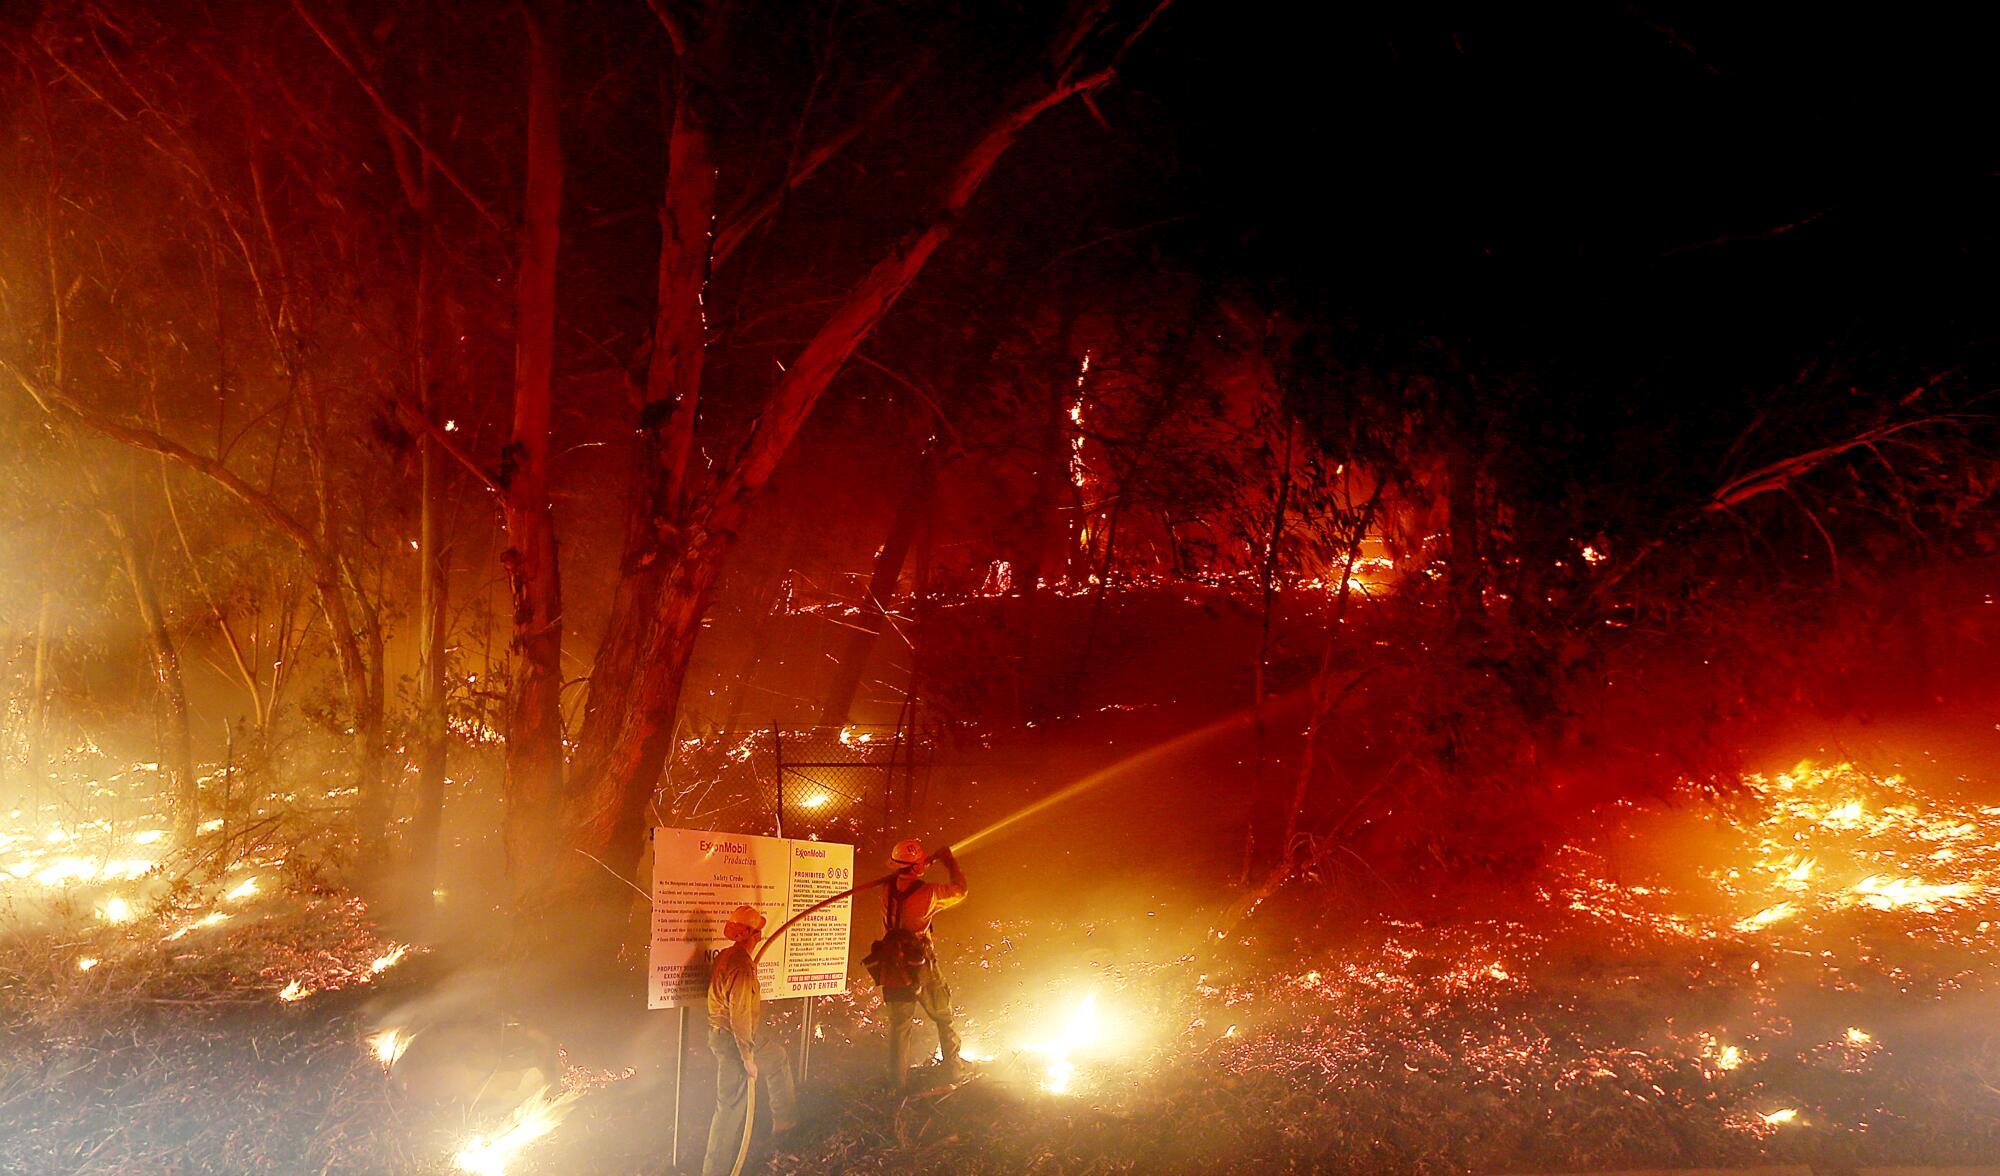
1544 179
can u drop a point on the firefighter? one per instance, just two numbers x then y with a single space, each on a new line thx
744 1050
908 905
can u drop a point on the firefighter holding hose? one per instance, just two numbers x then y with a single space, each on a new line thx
743 1050
910 975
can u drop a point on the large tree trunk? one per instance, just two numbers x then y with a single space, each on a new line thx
626 770
657 534
676 548
534 713
889 559
182 786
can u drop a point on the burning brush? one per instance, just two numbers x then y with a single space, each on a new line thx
1759 991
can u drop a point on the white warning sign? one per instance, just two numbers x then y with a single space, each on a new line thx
699 877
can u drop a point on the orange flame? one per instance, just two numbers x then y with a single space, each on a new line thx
388 1047
530 1121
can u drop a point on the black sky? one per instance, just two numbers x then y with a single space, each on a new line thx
1605 177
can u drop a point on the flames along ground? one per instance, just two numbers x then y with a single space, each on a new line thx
1802 970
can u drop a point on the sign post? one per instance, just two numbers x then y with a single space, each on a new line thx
680 1076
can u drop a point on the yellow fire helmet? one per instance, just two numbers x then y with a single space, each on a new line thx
748 916
909 853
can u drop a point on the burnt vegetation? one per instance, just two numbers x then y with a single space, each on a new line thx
1421 480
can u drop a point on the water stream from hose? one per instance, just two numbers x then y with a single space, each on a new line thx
1131 763
1124 767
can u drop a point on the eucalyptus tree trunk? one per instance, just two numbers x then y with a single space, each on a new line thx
534 789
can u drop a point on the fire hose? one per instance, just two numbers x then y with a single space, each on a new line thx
749 1117
750 1099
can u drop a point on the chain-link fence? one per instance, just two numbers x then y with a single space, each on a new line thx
860 786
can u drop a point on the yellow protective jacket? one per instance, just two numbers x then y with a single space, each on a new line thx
921 903
735 999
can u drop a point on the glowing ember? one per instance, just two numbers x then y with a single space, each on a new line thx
115 910
1768 916
999 579
1823 878
1079 473
389 959
1888 893
816 800
388 1046
530 1121
86 963
208 920
295 990
69 869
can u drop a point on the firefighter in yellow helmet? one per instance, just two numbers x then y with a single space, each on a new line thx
908 905
743 1049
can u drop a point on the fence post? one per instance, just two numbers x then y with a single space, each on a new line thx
778 750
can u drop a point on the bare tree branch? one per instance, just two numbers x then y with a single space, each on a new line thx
417 417
58 402
921 393
851 321
1779 474
396 120
745 216
1765 235
676 31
